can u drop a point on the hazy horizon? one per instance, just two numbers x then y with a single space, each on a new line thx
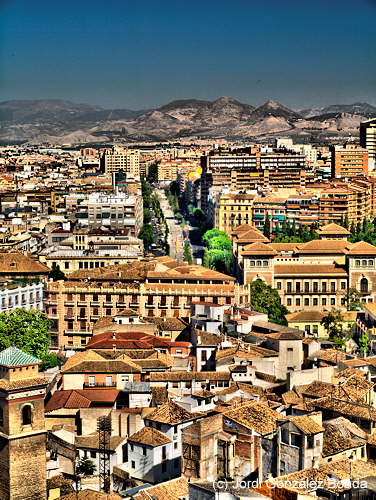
139 56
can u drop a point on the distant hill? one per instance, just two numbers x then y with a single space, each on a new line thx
64 122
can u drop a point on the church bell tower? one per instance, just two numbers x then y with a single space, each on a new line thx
22 429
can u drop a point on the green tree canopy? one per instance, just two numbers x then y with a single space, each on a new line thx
27 330
146 235
220 243
56 273
85 467
352 300
333 324
266 299
211 234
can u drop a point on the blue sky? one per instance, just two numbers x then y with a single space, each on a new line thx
143 53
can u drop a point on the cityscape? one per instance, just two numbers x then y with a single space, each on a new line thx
187 279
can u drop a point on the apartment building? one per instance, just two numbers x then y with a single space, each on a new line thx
368 140
116 211
253 170
14 295
168 169
118 159
349 161
157 287
314 275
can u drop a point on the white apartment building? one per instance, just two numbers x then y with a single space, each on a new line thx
15 295
119 159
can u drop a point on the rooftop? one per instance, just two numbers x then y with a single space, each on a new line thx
12 356
150 437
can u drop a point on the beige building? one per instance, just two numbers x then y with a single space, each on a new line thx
314 275
158 287
368 140
119 159
349 161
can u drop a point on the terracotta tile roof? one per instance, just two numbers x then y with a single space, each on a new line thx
255 416
131 340
204 394
84 398
317 389
9 385
183 375
189 271
247 388
308 270
159 395
258 248
337 439
362 248
171 413
92 441
174 489
89 494
331 355
305 316
207 339
105 366
150 437
166 323
15 263
323 475
290 398
333 229
252 352
364 412
338 247
307 424
127 313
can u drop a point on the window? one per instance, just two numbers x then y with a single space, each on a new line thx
310 441
323 301
364 285
333 286
306 302
297 286
323 286
315 329
279 285
290 349
306 286
315 286
370 262
93 454
164 453
315 301
332 301
289 301
92 380
131 446
297 302
144 450
343 285
176 444
133 464
289 287
307 329
26 415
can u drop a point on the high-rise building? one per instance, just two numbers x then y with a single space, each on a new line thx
119 159
349 161
368 140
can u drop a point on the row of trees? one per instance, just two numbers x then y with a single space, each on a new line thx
218 251
288 232
151 204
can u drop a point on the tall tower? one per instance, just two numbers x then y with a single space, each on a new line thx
22 430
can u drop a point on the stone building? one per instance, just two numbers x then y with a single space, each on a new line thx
314 275
22 428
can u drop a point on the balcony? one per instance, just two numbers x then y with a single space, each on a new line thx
99 384
95 304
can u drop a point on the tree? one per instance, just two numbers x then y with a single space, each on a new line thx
352 228
27 330
85 467
364 344
146 235
220 243
358 228
56 273
333 324
352 300
276 228
49 360
211 234
266 299
266 230
153 172
346 221
147 216
187 252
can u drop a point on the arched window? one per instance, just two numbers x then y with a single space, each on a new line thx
364 285
26 415
1 417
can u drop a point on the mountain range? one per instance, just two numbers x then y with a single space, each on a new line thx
57 121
